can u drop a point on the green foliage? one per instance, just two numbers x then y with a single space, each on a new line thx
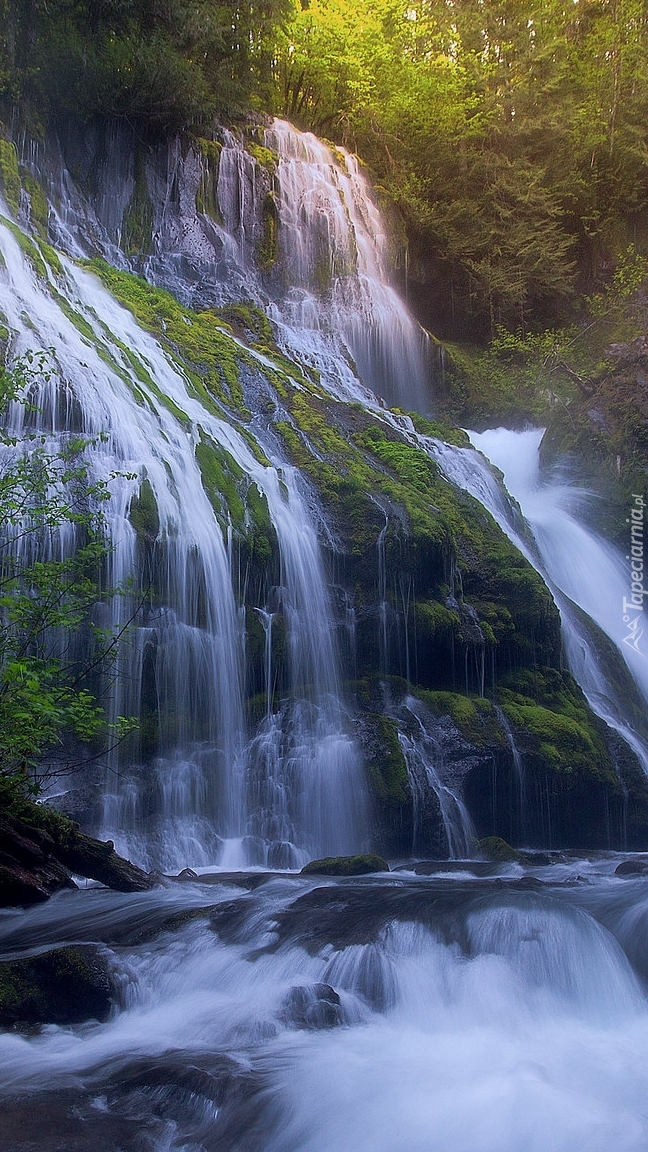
45 603
162 66
513 138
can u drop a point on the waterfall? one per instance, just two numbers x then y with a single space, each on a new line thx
556 549
186 645
428 775
333 257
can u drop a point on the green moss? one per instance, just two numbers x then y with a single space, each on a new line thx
386 764
495 849
211 150
263 156
39 208
474 716
208 355
207 192
144 515
220 474
249 323
9 175
28 247
440 431
137 224
267 247
551 717
64 986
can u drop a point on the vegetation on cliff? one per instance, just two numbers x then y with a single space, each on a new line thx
512 136
48 704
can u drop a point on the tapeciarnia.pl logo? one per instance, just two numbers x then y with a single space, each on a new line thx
633 607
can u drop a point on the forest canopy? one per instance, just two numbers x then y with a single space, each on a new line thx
511 133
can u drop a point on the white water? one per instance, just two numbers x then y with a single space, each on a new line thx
583 565
427 775
564 552
334 251
481 1017
206 783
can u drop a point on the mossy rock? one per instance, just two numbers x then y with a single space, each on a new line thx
268 244
9 174
209 357
496 849
263 156
64 986
346 865
551 718
144 515
137 224
39 208
386 763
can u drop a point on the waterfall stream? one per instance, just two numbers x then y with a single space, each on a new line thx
191 643
375 1015
473 1008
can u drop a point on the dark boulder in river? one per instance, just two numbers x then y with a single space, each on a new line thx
346 865
64 986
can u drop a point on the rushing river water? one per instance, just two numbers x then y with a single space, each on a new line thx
454 1008
392 1013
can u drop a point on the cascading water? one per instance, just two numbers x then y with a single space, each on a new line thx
188 649
334 257
377 1014
490 1010
468 470
582 564
427 776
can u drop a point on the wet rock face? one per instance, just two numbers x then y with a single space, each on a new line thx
64 986
312 1006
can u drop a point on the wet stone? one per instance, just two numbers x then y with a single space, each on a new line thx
632 868
312 1006
64 986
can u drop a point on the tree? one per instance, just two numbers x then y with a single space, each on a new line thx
49 651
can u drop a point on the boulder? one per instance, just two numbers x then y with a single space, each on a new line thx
64 986
636 867
312 1006
346 865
